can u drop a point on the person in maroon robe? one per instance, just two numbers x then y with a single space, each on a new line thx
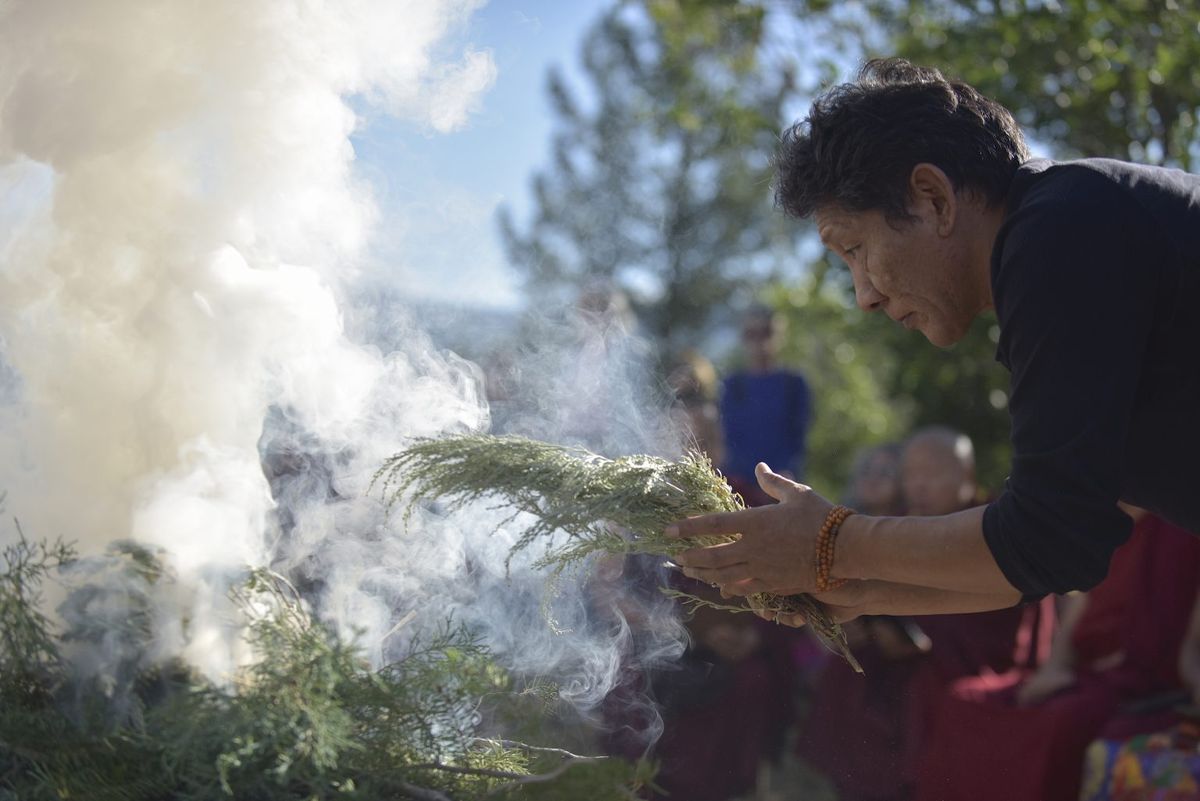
1021 736
723 699
865 732
938 478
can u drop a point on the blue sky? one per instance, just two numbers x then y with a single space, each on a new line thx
438 193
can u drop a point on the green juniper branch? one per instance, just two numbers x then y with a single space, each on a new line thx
613 506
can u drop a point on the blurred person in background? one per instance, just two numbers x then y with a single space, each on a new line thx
765 409
854 733
937 477
1111 672
722 698
867 732
926 188
1162 765
874 485
580 376
693 381
716 698
937 472
733 691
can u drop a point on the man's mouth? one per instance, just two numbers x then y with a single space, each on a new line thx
909 320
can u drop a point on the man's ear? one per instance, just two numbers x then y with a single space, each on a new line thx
931 192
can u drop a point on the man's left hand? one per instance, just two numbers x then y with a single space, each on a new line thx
774 552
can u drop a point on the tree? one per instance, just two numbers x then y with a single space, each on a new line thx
659 186
1119 78
1115 78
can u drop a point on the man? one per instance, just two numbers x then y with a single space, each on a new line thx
765 410
924 187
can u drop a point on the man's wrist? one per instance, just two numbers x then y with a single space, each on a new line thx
851 557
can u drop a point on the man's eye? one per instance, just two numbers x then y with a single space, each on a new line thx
853 250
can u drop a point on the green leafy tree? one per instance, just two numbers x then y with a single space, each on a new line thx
1119 78
658 185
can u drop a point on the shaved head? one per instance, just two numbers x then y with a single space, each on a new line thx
937 471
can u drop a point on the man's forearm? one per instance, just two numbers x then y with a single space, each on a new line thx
888 598
947 553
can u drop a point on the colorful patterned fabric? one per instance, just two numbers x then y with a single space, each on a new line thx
1163 766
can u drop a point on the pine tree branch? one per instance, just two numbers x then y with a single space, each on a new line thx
535 749
423 793
22 752
515 780
541 778
489 772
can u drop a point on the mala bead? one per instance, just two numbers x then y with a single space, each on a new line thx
826 541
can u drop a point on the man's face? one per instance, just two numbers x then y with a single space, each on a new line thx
758 337
933 480
913 274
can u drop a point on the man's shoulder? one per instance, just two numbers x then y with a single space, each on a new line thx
1060 188
797 378
1101 191
791 376
1079 240
1059 205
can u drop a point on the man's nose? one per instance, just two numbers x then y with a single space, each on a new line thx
868 297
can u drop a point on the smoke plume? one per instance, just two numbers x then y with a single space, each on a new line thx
179 232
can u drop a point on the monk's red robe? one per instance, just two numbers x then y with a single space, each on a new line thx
865 732
983 747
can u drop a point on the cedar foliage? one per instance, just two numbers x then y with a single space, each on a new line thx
604 506
307 719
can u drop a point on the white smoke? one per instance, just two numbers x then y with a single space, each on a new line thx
186 211
179 220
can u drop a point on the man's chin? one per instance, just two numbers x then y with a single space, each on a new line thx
940 342
941 337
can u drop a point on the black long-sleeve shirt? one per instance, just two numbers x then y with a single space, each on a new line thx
1096 283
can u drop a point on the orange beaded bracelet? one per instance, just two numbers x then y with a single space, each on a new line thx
823 557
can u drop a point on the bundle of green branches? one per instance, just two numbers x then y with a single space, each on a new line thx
612 506
307 720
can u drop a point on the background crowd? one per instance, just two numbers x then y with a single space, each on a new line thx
1084 696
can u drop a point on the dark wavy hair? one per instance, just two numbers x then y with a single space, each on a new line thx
860 141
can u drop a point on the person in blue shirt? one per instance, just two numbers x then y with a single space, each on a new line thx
765 409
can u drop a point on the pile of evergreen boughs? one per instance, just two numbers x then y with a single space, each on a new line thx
308 719
604 506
